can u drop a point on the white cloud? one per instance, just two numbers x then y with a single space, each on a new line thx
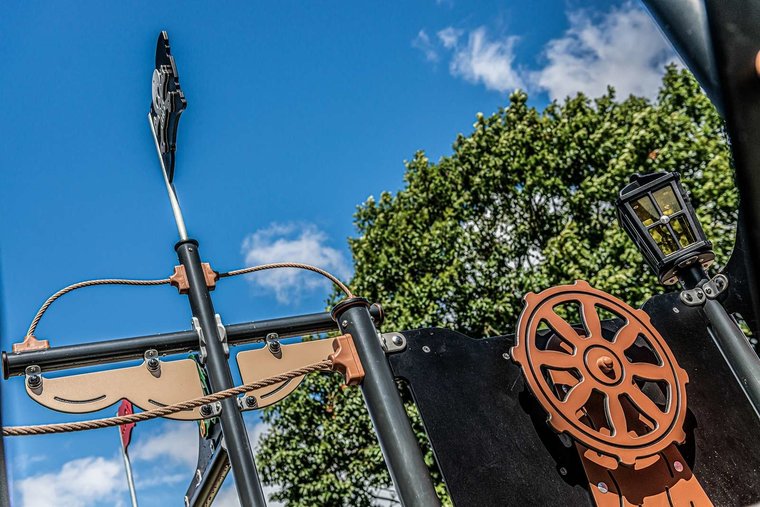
292 243
482 59
175 443
424 44
78 483
449 37
622 48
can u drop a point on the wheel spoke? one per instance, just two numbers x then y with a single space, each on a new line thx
591 320
648 371
561 327
616 414
554 359
625 337
578 396
645 405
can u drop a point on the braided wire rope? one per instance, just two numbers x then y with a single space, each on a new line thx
88 283
44 429
163 281
294 265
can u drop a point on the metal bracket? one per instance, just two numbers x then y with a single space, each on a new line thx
201 340
211 410
393 342
273 344
152 362
222 331
34 378
709 289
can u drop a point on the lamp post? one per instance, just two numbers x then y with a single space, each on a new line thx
656 212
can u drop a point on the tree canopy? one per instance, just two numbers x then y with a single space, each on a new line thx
524 202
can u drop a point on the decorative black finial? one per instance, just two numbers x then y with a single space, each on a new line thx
167 104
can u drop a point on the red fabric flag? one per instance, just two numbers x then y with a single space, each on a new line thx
126 408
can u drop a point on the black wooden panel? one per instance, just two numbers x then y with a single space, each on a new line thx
494 447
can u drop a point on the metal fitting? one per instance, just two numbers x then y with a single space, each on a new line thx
152 363
393 342
274 345
212 409
34 378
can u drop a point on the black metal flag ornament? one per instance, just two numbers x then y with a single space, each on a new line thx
167 104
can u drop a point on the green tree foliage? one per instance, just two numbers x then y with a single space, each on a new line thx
526 201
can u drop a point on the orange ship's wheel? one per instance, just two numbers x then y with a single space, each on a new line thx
630 377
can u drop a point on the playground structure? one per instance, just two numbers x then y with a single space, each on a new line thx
572 409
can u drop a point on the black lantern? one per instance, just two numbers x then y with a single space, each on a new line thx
657 214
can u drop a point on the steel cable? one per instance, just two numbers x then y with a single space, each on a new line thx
43 429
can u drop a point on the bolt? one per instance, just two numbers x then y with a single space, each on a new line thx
34 381
250 402
397 340
605 364
678 466
562 471
206 410
344 323
425 349
602 487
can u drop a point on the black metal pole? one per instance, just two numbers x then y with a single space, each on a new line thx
233 428
400 448
731 341
180 342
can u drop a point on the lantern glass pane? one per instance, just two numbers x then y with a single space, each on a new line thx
661 235
645 210
683 232
667 200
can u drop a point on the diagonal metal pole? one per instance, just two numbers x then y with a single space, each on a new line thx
167 105
233 427
130 479
176 210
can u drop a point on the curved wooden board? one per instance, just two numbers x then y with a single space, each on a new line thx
89 392
259 364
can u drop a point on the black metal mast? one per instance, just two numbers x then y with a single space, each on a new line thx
167 104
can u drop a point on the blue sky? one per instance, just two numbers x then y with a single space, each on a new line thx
297 112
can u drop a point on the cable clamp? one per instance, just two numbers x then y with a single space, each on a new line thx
201 340
180 281
709 289
222 332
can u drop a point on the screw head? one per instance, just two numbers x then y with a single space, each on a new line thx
505 355
676 310
425 349
678 466
689 297
206 410
602 487
153 364
344 323
250 401
34 381
562 471
397 340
